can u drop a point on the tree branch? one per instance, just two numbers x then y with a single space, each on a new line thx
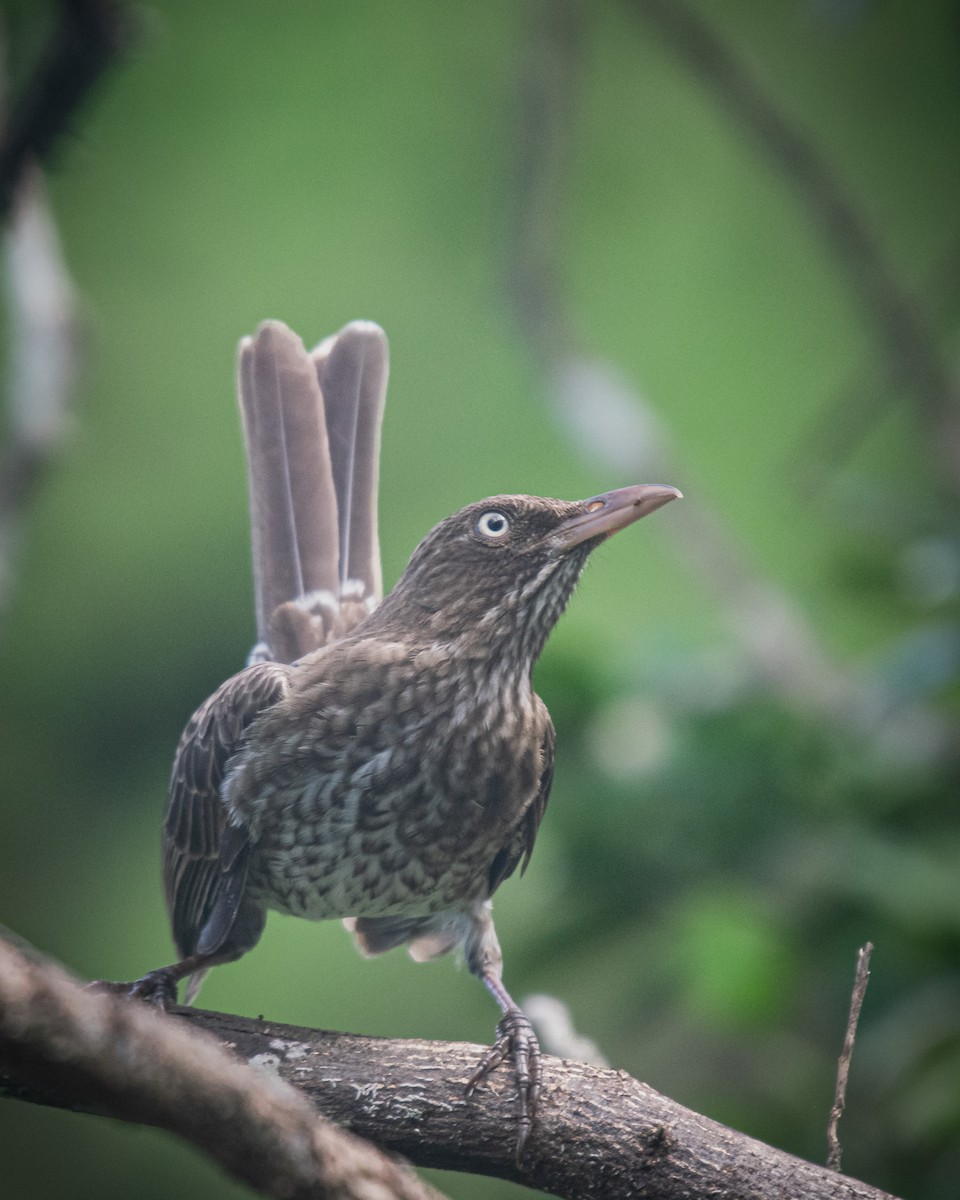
61 1044
598 1133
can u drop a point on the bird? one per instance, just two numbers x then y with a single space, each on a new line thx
383 760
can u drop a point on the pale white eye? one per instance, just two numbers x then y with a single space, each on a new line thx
493 525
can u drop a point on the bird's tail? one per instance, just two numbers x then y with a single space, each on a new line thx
311 425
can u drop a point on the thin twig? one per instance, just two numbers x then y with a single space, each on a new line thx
860 982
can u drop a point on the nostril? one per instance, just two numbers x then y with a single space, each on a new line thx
595 506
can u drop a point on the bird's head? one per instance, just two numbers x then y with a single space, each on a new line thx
504 568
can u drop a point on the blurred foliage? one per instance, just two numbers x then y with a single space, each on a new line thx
716 851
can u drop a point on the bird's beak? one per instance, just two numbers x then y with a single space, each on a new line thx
604 515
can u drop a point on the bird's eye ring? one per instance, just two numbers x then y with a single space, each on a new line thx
493 525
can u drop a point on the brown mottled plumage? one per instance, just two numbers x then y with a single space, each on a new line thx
388 763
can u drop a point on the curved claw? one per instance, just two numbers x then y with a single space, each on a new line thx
516 1040
158 988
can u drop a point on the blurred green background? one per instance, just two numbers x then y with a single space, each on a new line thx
755 692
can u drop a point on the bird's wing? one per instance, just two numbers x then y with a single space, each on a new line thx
519 848
205 860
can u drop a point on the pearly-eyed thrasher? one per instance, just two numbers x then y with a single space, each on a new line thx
384 761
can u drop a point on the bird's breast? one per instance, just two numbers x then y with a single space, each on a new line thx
398 805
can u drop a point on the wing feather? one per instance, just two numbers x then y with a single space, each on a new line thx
205 863
517 851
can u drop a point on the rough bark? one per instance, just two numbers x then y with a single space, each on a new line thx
61 1044
599 1133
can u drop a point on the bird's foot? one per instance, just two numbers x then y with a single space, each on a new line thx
158 988
517 1041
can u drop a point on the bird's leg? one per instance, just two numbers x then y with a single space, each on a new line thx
515 1036
515 1039
159 987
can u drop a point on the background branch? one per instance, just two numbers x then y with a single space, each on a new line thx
607 419
44 334
899 322
599 1133
846 418
87 38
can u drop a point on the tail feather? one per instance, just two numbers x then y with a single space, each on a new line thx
352 369
292 496
312 431
425 937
